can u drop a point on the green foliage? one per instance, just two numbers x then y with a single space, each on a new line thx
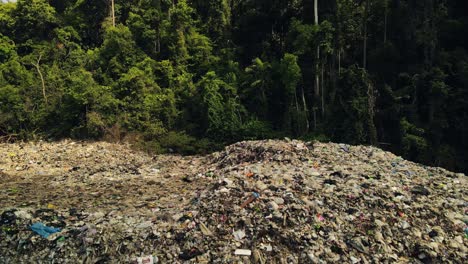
216 17
413 143
290 74
117 54
87 18
220 105
180 142
179 27
303 36
351 114
7 48
255 129
10 109
144 21
257 81
34 19
6 18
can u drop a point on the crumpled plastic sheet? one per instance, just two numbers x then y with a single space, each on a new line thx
43 230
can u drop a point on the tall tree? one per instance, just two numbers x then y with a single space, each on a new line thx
113 12
317 63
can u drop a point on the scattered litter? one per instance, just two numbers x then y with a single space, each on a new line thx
302 202
243 252
43 230
205 230
267 248
344 147
190 254
145 260
239 235
254 196
404 225
420 190
8 217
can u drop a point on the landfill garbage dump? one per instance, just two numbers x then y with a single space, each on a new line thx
273 201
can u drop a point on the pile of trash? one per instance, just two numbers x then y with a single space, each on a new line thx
272 201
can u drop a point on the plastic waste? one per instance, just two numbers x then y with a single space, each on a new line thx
190 254
239 235
318 204
243 252
8 218
205 230
254 196
145 260
344 147
420 190
43 230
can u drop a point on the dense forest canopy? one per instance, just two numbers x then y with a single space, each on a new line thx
187 74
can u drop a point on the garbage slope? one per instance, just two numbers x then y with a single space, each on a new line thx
255 202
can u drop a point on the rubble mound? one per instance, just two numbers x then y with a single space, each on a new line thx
268 150
272 201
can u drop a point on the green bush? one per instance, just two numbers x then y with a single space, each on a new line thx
181 143
255 129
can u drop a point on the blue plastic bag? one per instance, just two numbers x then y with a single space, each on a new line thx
43 230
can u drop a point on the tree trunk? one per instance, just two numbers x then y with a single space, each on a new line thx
316 11
306 111
323 92
113 12
334 66
333 79
317 57
158 39
317 60
158 43
38 68
314 109
371 114
296 102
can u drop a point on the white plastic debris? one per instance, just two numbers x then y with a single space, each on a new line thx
145 260
205 230
238 235
243 252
